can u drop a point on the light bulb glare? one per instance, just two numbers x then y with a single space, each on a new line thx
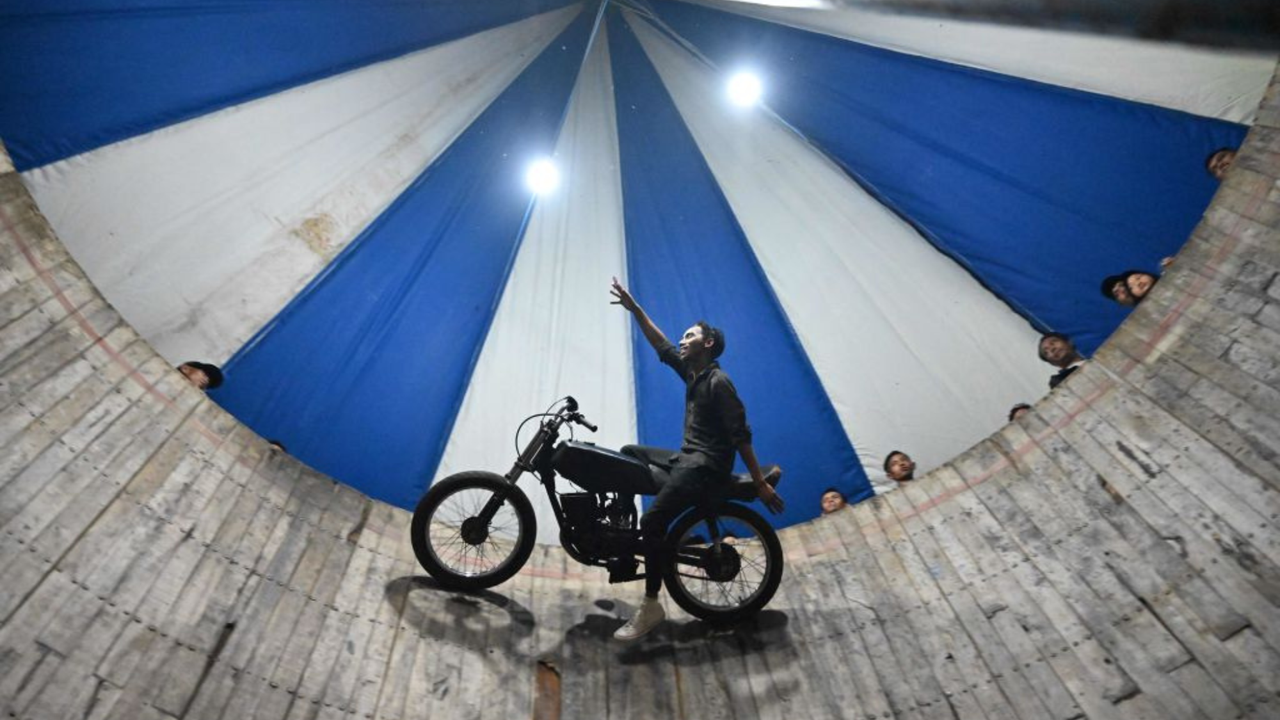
542 177
745 89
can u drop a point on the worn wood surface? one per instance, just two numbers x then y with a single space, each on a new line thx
1112 555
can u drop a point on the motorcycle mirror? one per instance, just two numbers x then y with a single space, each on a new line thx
571 403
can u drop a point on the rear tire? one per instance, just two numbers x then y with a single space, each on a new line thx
463 555
745 579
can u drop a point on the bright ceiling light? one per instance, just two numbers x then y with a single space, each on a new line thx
542 177
745 89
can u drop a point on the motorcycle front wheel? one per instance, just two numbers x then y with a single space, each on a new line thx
457 547
728 581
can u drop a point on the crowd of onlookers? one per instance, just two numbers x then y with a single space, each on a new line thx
1127 288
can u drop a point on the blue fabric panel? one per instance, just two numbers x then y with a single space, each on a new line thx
687 259
362 374
1039 190
79 74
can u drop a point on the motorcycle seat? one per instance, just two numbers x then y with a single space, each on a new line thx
741 486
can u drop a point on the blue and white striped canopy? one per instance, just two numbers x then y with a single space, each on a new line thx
328 198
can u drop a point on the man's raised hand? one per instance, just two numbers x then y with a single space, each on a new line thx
623 297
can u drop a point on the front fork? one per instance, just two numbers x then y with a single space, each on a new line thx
524 463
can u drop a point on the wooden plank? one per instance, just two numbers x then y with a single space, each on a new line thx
1135 566
282 496
1157 554
1146 651
341 688
145 591
331 640
919 604
301 613
50 442
268 616
394 688
885 633
1019 599
1177 515
26 335
836 625
973 641
384 619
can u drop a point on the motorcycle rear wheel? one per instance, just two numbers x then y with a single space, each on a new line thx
728 583
456 547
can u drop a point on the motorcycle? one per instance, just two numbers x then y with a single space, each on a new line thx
473 530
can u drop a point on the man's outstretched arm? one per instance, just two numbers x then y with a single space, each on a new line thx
628 303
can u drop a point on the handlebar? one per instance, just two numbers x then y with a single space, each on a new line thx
571 414
577 417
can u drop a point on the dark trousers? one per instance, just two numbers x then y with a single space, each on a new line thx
688 483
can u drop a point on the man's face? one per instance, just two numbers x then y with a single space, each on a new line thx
831 502
692 345
1056 351
1121 293
1139 284
195 376
1020 412
901 468
1221 162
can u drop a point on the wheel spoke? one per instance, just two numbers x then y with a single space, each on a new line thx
445 538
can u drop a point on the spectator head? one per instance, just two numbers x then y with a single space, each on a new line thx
700 341
899 466
832 500
1139 283
1114 288
203 375
1219 162
1018 411
1057 350
277 446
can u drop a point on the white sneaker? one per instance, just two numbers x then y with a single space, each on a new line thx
645 619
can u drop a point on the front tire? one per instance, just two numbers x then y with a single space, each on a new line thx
733 583
456 547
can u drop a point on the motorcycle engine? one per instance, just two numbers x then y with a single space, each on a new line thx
602 525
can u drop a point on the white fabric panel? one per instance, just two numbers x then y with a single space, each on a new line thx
1212 82
555 333
199 233
914 353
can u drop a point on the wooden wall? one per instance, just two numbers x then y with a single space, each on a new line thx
1112 555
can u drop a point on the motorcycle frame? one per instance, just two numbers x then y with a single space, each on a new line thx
535 458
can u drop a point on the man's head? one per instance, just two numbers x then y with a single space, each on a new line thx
701 343
1114 288
832 500
1139 283
1219 162
1018 411
1057 350
899 466
203 375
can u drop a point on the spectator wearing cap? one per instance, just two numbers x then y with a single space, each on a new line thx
1115 288
1058 350
1131 286
204 376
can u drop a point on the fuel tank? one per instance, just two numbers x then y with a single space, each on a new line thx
599 470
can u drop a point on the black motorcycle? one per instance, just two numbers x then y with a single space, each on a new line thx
473 530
